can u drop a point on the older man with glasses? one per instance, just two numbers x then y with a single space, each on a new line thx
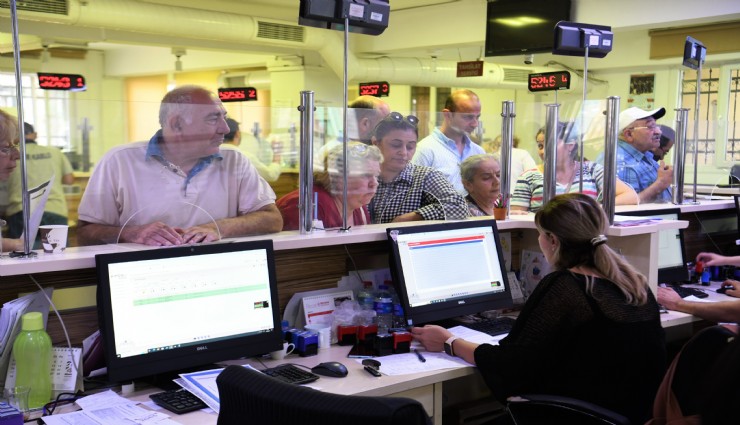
638 136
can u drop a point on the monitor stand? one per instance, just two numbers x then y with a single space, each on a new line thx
166 380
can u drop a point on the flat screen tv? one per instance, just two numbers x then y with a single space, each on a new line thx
523 26
445 270
182 308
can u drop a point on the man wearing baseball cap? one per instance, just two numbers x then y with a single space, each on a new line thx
667 137
638 136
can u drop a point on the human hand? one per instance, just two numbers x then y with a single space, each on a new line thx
668 298
154 234
198 234
665 174
735 290
711 259
432 337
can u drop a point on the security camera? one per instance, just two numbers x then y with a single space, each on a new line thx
529 59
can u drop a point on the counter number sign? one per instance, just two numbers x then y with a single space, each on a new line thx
54 81
547 81
377 89
237 94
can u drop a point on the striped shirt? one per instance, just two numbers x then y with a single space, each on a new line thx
529 189
417 189
440 152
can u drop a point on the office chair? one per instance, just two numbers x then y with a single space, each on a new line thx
249 396
546 409
682 393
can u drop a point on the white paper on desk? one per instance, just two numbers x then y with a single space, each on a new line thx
476 336
404 364
126 414
73 418
203 385
102 399
699 300
37 203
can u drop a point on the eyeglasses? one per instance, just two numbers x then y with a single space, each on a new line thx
649 127
10 150
396 116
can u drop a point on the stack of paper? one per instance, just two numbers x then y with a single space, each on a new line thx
10 323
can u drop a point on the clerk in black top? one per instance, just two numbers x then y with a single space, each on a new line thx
590 330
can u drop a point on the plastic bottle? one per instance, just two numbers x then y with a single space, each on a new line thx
384 309
366 296
32 352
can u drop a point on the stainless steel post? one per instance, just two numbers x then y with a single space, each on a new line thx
679 155
28 239
611 135
696 126
507 144
345 151
551 146
305 171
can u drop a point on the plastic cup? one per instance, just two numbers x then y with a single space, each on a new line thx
18 398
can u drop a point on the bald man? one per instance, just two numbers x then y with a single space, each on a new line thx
449 145
368 112
181 187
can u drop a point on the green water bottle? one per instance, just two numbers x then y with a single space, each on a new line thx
32 352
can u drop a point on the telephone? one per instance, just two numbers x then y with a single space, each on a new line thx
65 377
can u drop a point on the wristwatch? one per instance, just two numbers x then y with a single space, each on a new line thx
448 345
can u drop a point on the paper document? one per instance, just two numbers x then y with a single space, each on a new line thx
37 197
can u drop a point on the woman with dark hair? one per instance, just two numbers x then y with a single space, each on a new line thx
590 329
409 192
529 189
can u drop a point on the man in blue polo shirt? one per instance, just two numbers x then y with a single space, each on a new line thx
449 145
638 136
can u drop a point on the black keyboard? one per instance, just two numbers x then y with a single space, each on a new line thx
684 291
493 327
291 374
178 401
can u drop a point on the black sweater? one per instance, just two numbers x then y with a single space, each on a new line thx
595 348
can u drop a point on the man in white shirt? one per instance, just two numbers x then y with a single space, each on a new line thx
449 145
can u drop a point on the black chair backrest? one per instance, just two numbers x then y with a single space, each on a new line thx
538 409
249 396
696 359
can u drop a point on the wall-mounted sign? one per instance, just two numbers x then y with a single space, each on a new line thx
237 94
54 81
470 69
547 81
377 89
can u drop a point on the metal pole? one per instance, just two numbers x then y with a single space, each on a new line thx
611 135
679 155
696 127
305 172
582 129
345 151
26 201
507 144
551 145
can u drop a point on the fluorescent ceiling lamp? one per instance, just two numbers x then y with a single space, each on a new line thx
520 21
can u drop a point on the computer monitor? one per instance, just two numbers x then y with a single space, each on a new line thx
173 309
671 259
449 269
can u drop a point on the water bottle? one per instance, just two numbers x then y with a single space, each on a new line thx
384 309
32 352
366 297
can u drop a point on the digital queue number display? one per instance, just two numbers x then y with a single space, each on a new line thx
55 81
377 89
546 81
237 94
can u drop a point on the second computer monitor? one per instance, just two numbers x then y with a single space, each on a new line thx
448 269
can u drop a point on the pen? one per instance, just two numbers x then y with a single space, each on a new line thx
418 354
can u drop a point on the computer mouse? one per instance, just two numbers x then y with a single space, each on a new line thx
723 289
333 369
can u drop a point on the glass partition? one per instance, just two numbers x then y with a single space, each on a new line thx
384 184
